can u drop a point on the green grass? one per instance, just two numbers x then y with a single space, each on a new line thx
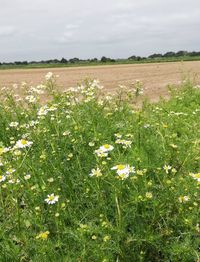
147 214
117 62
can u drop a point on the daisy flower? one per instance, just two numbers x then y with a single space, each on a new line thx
96 172
196 176
22 143
123 171
49 76
183 199
106 148
100 153
51 199
2 178
167 168
13 124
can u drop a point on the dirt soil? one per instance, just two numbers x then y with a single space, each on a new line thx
155 76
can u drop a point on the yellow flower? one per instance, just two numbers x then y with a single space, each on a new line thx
183 199
149 195
96 172
106 238
43 235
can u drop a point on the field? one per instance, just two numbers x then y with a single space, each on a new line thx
92 177
155 76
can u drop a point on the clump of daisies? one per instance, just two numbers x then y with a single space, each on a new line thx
104 150
123 171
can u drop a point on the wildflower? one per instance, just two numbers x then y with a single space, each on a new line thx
197 228
83 226
4 150
118 135
43 111
31 99
27 177
2 178
125 143
174 146
141 172
106 148
196 176
17 153
66 133
50 180
49 76
63 205
43 235
96 172
100 153
94 237
183 199
149 195
123 171
51 199
10 171
91 144
106 238
174 170
22 143
167 168
13 124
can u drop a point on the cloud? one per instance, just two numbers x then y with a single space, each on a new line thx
6 30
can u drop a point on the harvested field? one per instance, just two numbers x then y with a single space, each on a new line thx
155 76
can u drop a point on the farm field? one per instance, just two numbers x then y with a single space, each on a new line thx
90 177
155 76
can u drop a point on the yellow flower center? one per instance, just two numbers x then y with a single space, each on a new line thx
24 142
107 146
51 198
120 167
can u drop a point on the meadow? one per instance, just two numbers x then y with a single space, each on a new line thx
87 176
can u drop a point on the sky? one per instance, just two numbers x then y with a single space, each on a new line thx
49 29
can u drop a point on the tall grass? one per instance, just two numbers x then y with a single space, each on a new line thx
89 177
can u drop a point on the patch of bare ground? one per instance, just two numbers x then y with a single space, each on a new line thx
155 77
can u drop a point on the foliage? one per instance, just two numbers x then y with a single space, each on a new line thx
90 177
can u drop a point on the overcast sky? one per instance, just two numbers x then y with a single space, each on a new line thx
46 29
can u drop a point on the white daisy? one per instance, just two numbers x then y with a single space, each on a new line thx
22 143
123 171
51 199
2 178
96 172
106 148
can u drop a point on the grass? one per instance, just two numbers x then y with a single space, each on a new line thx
86 63
91 177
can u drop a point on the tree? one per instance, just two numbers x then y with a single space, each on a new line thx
63 60
169 54
74 60
155 56
181 53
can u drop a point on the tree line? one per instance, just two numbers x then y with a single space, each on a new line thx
105 59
